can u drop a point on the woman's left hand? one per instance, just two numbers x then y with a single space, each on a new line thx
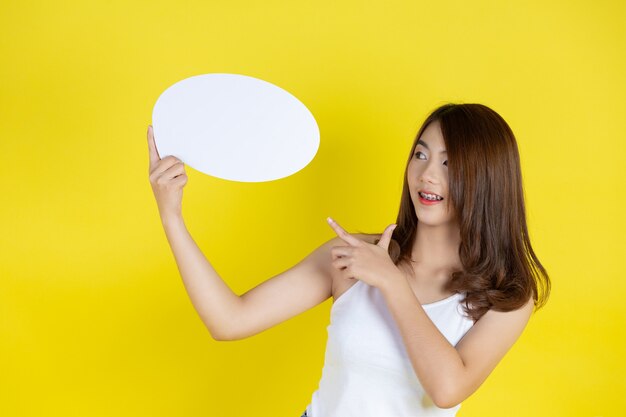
362 260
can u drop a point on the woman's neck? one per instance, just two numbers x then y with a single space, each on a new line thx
436 248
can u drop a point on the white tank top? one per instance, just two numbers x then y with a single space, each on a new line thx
367 371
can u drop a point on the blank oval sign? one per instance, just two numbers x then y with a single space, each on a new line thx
235 127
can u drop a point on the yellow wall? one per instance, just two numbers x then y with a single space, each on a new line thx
94 319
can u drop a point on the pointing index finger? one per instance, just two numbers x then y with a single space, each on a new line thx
345 236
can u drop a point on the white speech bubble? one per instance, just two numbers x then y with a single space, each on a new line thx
235 127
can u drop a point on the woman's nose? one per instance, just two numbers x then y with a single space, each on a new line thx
428 175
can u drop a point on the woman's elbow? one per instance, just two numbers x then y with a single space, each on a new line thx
446 404
446 399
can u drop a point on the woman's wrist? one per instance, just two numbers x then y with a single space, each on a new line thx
172 219
392 282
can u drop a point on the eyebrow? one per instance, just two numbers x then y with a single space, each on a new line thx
421 142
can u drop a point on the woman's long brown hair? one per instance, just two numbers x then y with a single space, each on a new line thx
500 269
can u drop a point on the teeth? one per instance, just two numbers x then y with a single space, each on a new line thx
431 196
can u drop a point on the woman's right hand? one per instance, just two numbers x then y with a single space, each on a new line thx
167 177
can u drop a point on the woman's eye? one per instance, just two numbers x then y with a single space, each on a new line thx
418 153
445 162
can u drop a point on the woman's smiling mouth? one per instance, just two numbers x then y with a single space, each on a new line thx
428 198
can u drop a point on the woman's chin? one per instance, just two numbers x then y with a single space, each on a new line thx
433 221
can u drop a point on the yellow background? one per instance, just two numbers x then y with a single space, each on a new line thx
94 319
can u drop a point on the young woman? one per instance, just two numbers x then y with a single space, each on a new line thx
423 312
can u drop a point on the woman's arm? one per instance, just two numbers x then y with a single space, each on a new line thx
214 301
217 305
450 374
229 316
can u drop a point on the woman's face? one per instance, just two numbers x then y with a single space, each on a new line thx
428 174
